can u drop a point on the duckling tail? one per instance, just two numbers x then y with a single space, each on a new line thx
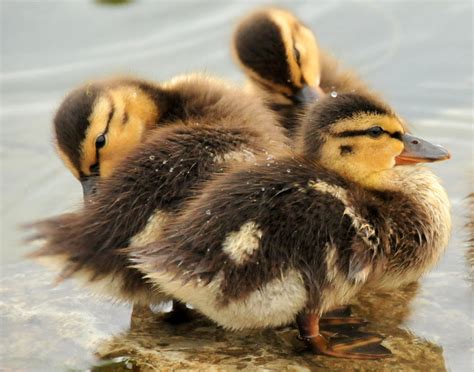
46 233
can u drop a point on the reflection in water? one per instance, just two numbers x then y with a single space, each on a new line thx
199 344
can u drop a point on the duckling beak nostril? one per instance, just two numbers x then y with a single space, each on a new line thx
89 185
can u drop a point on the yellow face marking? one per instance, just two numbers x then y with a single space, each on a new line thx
366 157
98 122
133 113
297 36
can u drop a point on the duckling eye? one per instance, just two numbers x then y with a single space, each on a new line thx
100 141
375 132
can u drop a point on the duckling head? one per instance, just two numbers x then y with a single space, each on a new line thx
363 140
97 125
280 54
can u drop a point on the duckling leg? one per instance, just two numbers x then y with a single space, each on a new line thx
356 345
180 314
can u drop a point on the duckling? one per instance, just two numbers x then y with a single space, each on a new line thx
280 56
202 124
99 124
290 238
286 66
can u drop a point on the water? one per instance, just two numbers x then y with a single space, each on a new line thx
419 54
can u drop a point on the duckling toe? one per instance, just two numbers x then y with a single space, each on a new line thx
354 345
341 325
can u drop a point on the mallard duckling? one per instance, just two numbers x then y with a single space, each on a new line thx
204 125
99 124
295 236
280 56
285 65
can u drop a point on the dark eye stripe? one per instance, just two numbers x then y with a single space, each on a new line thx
111 114
396 135
354 133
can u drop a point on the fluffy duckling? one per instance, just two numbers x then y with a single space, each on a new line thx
204 125
280 56
99 124
285 65
290 238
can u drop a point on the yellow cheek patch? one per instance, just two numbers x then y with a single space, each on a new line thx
121 140
375 154
126 112
361 157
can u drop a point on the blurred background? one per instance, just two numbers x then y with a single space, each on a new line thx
418 54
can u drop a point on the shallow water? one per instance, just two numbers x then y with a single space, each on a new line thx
419 54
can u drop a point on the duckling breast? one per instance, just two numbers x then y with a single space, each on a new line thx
419 225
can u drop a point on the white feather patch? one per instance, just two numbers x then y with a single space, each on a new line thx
241 244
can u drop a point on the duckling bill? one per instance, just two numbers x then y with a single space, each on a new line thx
288 239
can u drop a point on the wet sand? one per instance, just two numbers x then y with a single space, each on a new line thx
418 54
